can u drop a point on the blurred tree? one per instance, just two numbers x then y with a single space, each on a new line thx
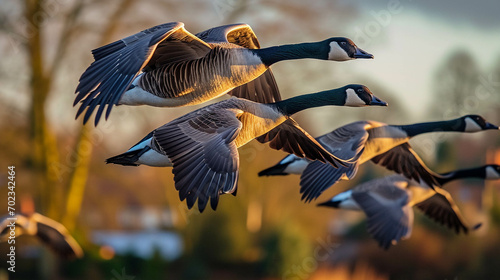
43 140
36 32
79 174
455 80
287 252
218 237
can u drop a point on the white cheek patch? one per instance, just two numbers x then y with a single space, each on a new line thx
352 99
337 53
491 173
471 126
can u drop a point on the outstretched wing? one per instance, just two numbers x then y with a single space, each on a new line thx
319 176
240 34
441 208
388 220
19 220
262 89
204 156
347 143
403 160
56 237
291 138
117 64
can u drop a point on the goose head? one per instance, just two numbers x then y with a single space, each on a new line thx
475 123
342 49
360 96
492 172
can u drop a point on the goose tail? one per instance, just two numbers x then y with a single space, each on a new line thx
129 158
277 170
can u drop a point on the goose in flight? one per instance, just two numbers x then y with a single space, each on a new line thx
50 232
167 66
202 145
387 203
384 144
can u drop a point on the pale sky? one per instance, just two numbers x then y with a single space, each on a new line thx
410 44
409 39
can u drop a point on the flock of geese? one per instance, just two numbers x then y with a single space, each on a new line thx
167 66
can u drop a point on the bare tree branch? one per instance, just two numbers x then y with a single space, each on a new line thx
78 177
70 23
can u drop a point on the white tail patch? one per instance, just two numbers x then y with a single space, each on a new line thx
141 145
288 159
155 159
296 167
346 201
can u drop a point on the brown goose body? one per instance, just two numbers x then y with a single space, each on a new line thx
384 144
167 66
201 146
223 68
387 203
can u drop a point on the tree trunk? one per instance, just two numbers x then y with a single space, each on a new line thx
83 147
43 141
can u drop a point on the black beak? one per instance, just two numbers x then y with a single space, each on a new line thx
330 203
377 102
491 126
362 54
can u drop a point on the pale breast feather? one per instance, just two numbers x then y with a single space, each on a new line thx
382 139
257 119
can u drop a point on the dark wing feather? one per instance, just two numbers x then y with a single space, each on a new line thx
319 176
117 64
386 223
239 34
178 47
291 138
441 208
346 142
20 221
262 89
403 160
204 156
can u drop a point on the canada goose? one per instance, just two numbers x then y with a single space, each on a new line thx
384 144
166 66
50 232
202 145
388 202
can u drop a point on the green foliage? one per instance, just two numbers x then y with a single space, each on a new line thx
285 248
495 211
218 237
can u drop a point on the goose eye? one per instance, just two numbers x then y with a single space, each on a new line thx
343 43
360 90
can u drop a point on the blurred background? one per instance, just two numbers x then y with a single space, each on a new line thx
433 61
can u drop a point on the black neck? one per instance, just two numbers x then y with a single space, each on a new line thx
420 128
271 55
478 172
296 104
